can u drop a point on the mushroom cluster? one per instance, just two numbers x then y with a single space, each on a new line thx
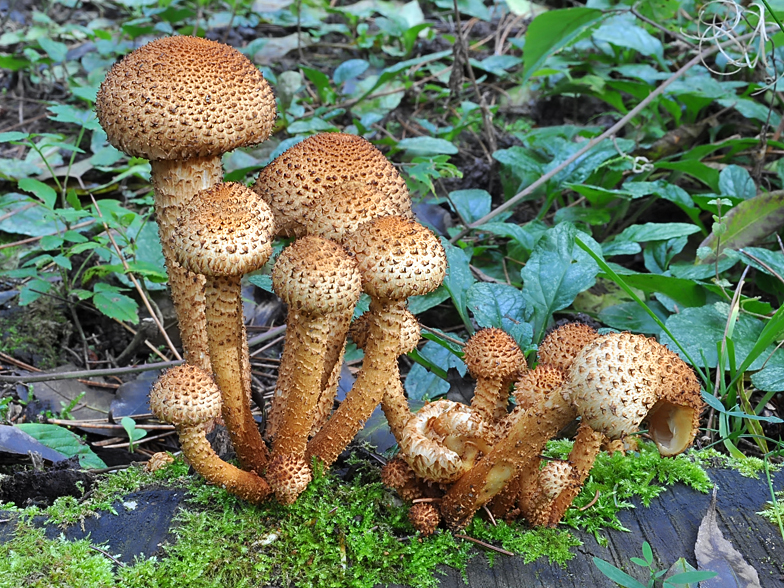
464 458
182 102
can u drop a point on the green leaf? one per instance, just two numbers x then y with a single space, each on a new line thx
353 68
552 31
630 316
616 575
263 281
12 63
33 290
419 146
419 304
557 271
12 135
656 232
62 440
70 114
685 293
770 379
750 222
319 79
458 279
471 205
110 302
500 306
54 49
690 577
621 31
43 191
526 236
735 181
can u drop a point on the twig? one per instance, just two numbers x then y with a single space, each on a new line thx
24 366
89 373
272 333
418 500
34 239
135 282
83 425
699 58
590 504
139 441
109 555
489 515
439 334
762 263
483 544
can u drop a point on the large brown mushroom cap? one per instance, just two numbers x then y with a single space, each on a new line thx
184 97
316 276
297 179
397 258
224 231
561 345
185 395
620 379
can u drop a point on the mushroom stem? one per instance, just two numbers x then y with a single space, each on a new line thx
225 329
175 182
368 390
246 485
527 432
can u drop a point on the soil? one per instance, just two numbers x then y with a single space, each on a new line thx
42 488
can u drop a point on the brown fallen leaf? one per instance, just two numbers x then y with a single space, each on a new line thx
715 553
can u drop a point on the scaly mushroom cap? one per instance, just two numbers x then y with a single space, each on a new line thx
288 475
535 384
618 379
184 97
560 347
424 517
397 258
316 276
297 179
342 208
396 473
186 396
224 231
492 353
554 477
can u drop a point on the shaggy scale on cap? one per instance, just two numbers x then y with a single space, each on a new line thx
296 180
559 348
183 97
289 476
425 517
185 395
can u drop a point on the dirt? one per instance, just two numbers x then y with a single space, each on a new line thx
42 488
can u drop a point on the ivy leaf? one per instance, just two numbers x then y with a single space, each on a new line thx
471 205
500 306
62 440
556 273
113 304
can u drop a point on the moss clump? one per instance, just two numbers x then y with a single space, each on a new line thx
750 467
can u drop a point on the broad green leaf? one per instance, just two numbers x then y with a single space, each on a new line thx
591 216
62 440
552 31
421 383
458 279
353 68
33 290
764 260
769 379
616 575
13 136
699 330
113 304
474 8
683 292
557 271
12 63
417 146
419 304
630 316
696 169
43 191
263 281
526 236
750 222
54 49
656 232
500 306
736 181
621 31
471 205
70 114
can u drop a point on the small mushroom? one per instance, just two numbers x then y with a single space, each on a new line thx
552 480
182 102
399 476
494 359
187 397
561 345
321 285
397 258
225 232
425 517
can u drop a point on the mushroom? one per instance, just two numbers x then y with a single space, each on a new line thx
560 346
397 258
552 480
425 517
321 285
494 359
296 180
621 379
187 397
225 232
182 102
399 476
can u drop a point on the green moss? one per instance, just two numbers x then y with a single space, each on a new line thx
39 331
750 467
774 511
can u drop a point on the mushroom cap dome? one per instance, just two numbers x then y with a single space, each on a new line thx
492 353
316 276
225 230
288 475
555 477
184 97
561 345
185 395
397 257
298 178
396 473
424 516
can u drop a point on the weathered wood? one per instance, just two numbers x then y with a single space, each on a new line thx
670 525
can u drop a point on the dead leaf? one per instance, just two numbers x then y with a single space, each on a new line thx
716 554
